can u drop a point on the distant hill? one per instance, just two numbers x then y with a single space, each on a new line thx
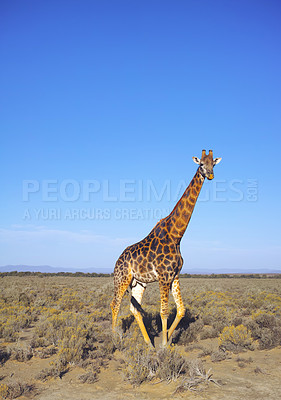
238 270
226 270
49 269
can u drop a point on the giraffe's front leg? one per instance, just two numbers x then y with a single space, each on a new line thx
180 307
164 293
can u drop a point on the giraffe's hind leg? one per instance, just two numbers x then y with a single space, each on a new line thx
121 283
137 293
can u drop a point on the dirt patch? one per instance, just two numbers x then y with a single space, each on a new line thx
257 379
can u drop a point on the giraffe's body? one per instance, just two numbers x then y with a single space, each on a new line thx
157 258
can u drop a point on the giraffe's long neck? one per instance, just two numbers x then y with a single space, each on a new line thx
179 218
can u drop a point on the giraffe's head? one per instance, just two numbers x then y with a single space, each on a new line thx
206 164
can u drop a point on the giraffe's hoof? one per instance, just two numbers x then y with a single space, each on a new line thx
150 346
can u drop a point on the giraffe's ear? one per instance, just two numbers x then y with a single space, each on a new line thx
217 160
196 160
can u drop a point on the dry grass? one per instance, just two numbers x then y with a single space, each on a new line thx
69 322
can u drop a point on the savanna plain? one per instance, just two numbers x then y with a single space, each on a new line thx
56 341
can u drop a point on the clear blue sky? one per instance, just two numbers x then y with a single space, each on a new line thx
115 97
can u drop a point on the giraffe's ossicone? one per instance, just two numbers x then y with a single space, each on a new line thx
157 257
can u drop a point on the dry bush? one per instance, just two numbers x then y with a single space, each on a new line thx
198 378
266 328
38 341
103 298
190 334
89 377
235 338
16 313
24 299
12 321
269 338
55 327
266 301
206 351
70 327
143 364
220 355
70 301
208 332
236 321
216 354
216 308
242 362
265 319
15 389
71 348
4 355
45 352
20 353
4 391
57 370
72 317
170 364
258 370
95 364
139 366
193 346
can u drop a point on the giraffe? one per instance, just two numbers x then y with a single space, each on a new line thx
157 257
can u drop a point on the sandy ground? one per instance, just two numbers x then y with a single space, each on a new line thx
256 380
236 382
